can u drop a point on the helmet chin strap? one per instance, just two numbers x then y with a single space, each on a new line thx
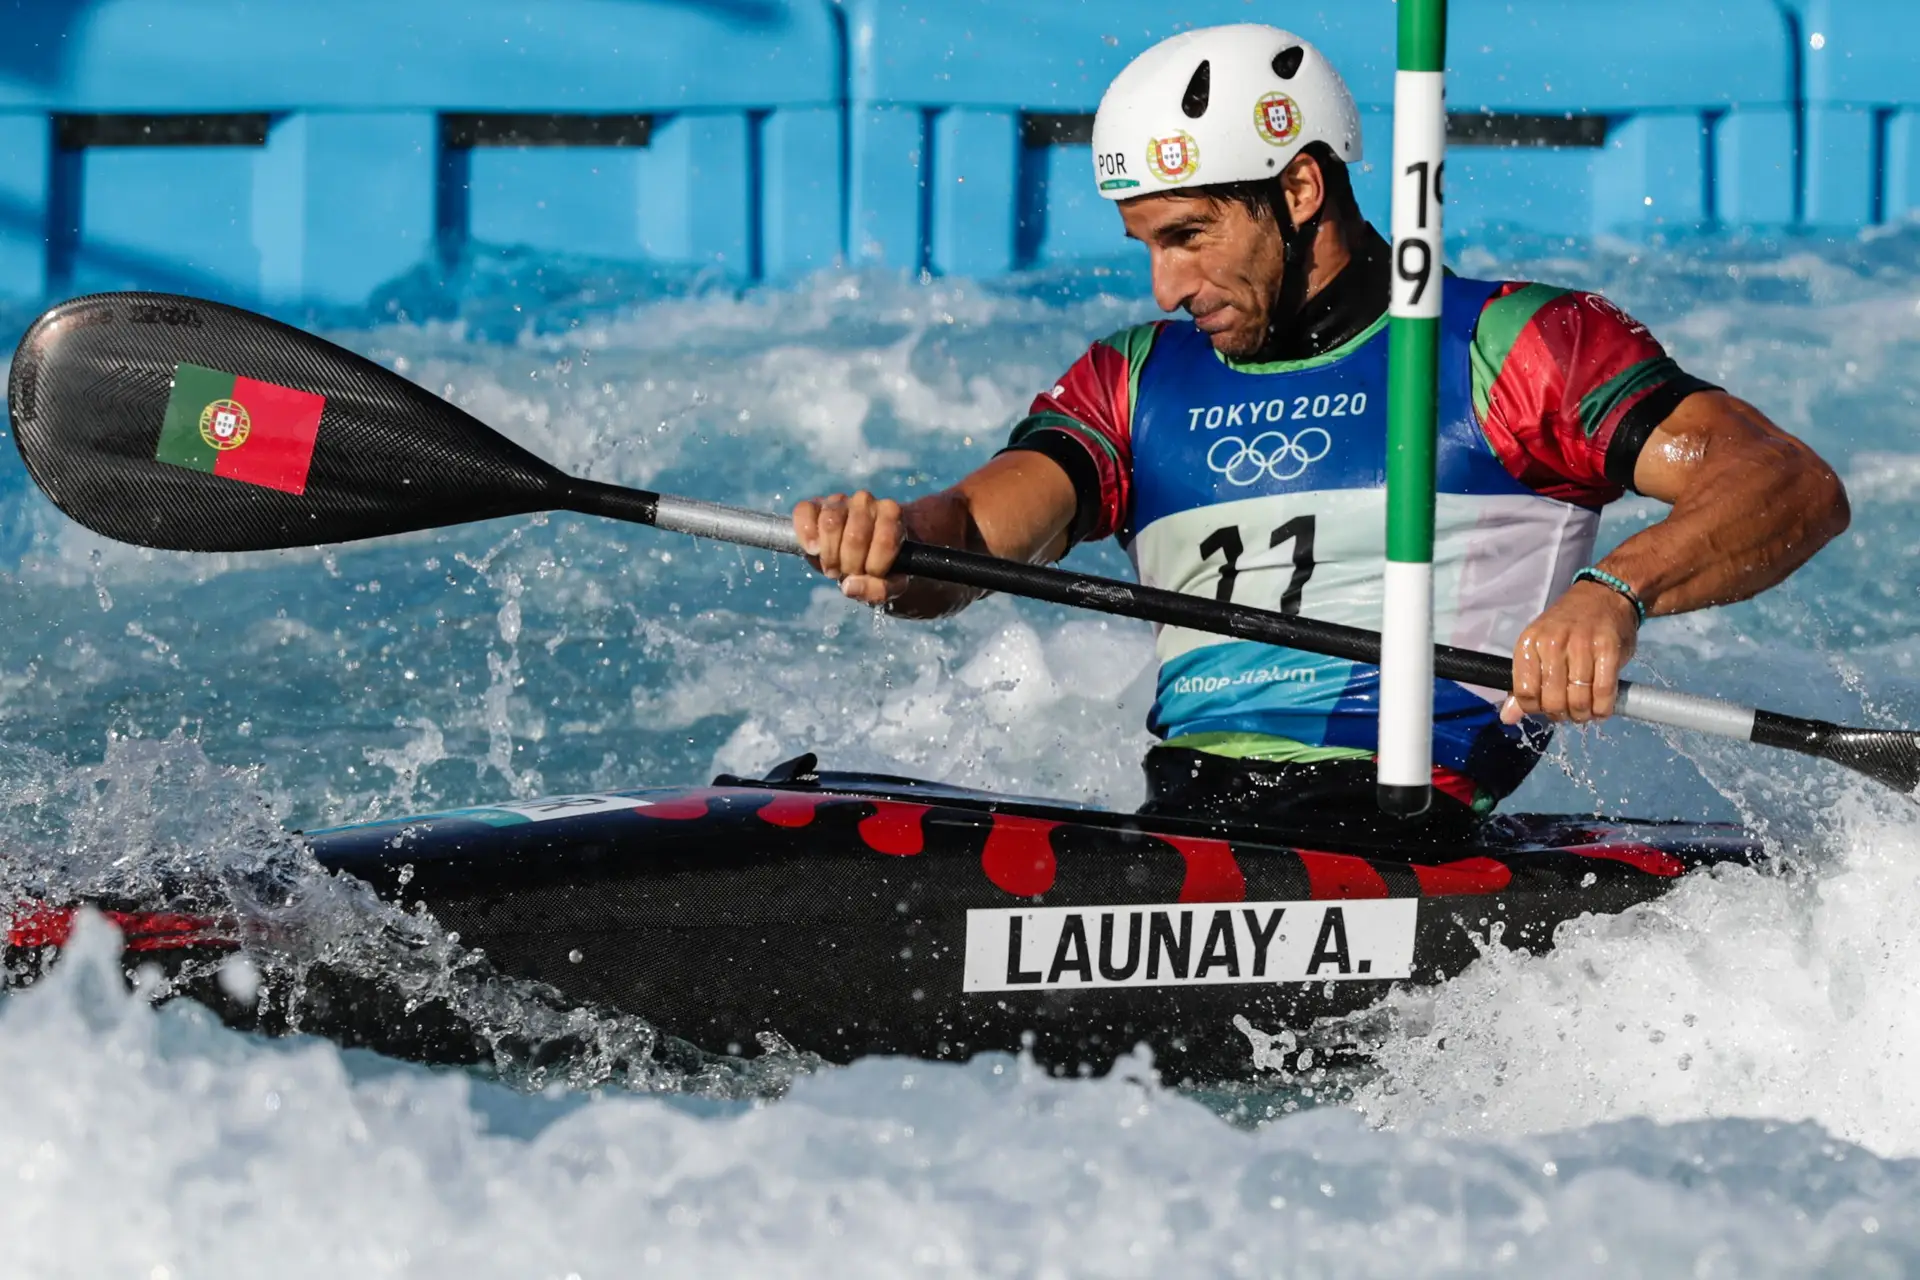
1296 240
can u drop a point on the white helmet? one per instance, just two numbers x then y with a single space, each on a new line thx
1221 104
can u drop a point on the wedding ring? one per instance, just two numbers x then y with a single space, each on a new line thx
1584 684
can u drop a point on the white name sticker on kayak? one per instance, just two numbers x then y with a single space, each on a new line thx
548 809
1051 948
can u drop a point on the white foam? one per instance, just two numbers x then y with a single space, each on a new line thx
1738 993
986 703
153 1145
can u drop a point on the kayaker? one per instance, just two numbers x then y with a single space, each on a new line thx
1240 454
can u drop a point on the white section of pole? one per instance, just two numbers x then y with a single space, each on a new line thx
1419 154
1406 677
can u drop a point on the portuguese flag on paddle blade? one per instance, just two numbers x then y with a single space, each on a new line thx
242 429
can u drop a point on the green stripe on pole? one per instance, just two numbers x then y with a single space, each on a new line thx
1413 366
1423 35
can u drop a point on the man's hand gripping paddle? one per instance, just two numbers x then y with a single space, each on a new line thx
175 423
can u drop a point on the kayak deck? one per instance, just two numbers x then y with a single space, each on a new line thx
856 914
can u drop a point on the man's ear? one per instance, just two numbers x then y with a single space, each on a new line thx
1305 187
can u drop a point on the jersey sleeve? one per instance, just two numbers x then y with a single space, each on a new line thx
1085 423
1568 387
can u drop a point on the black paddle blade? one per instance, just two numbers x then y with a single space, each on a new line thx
1888 756
173 422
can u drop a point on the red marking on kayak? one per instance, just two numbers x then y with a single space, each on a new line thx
1341 875
895 829
1019 855
1655 862
40 926
685 809
1213 873
789 810
1457 785
1468 875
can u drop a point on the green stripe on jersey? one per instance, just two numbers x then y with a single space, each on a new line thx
1501 323
1345 349
1050 421
1263 746
1600 403
1136 344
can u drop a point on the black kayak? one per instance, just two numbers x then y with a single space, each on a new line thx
854 914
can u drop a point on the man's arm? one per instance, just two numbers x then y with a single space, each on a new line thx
1062 478
1019 506
1750 505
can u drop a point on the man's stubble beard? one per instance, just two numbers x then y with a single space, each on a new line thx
1244 344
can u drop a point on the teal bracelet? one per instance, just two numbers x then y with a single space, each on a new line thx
1606 579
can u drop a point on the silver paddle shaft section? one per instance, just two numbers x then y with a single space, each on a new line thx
1686 711
726 524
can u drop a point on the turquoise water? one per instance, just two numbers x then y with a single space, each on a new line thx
1711 1085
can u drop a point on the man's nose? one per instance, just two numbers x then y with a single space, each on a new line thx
1173 281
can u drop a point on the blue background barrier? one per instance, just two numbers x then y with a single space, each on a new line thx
1862 88
298 153
1690 109
353 140
976 96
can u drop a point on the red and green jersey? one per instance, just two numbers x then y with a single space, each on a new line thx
240 428
1264 484
1557 373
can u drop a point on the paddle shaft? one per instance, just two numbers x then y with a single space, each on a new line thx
1171 608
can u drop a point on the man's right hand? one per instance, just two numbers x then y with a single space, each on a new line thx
853 540
1017 506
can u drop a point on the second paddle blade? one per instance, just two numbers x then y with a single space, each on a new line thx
173 422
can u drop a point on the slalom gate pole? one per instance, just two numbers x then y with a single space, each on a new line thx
1406 658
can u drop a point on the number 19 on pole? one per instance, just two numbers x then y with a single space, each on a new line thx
1406 656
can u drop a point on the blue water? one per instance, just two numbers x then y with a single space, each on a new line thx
1711 1085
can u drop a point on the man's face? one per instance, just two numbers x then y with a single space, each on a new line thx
1214 259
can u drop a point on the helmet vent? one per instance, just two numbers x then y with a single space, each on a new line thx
1199 89
1287 62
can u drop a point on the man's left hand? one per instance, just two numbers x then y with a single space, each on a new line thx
1566 665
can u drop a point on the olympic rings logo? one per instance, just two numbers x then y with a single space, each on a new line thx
1271 454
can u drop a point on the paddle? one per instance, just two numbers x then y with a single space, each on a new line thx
92 399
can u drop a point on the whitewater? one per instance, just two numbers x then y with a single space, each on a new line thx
1720 1083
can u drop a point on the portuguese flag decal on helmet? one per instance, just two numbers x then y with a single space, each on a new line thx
240 429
